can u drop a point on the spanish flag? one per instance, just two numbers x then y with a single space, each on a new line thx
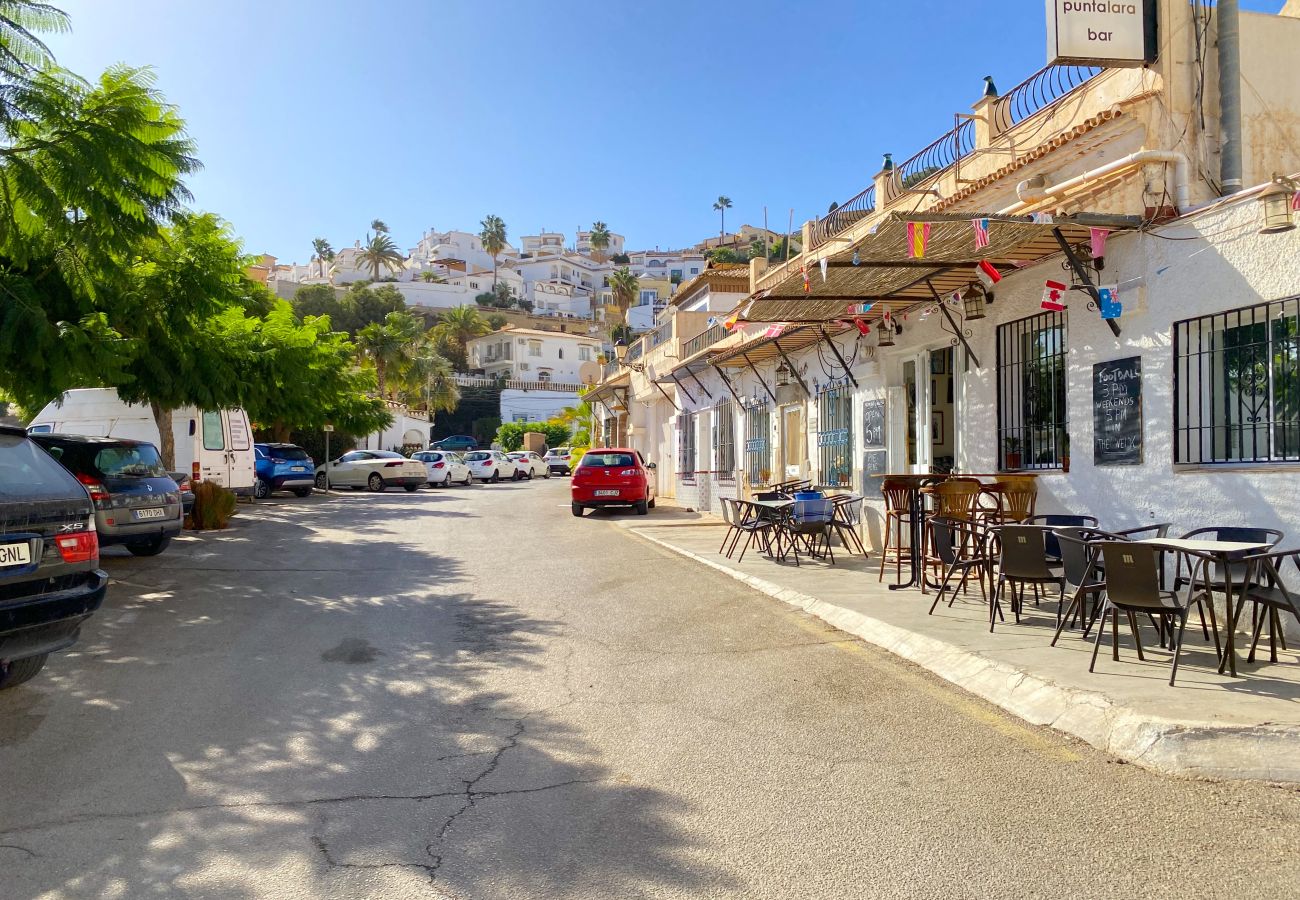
918 233
731 321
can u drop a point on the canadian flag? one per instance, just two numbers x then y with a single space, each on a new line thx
988 273
1053 296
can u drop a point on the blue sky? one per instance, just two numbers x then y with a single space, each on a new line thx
312 118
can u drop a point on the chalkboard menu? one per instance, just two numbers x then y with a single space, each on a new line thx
873 462
1117 412
873 424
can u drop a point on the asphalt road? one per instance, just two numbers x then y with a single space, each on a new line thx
469 693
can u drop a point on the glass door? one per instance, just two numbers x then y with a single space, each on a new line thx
793 441
930 391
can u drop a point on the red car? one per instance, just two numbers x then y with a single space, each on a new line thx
613 476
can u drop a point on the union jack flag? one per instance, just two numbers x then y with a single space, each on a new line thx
981 227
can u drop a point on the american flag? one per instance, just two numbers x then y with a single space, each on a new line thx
981 227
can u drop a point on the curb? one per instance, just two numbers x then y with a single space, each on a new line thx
1191 749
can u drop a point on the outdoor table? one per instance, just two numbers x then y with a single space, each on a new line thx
1224 553
774 512
916 527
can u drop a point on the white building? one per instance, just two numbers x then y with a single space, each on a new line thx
547 243
583 244
675 265
526 354
441 247
531 405
579 278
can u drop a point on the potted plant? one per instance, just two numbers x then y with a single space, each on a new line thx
1011 452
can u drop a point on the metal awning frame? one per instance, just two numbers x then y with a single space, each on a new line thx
754 369
956 328
727 382
839 356
661 390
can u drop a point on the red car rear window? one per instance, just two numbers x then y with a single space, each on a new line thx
608 460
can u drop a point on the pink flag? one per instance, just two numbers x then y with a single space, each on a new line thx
1295 201
774 330
1097 240
1053 296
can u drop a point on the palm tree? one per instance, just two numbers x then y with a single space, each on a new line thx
722 204
388 345
599 240
379 252
431 277
493 237
324 253
455 329
625 287
379 226
429 379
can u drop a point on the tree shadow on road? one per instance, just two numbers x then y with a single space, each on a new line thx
300 706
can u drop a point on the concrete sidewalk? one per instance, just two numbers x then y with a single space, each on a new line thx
1206 726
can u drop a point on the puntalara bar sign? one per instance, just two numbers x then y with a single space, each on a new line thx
1110 33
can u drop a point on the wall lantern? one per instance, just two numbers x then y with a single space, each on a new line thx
783 375
1276 199
620 351
973 302
886 330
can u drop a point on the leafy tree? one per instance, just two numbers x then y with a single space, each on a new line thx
778 250
379 252
496 321
621 259
429 380
323 252
358 307
510 435
599 239
388 345
454 330
525 305
726 255
758 248
721 205
625 287
493 237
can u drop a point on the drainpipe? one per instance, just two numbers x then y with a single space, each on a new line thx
1229 98
1033 191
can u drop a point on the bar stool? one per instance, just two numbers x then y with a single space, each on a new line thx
898 512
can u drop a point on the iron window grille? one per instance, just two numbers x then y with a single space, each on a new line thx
1031 377
1237 385
686 446
758 454
724 441
835 434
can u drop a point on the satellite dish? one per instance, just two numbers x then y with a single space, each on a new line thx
589 372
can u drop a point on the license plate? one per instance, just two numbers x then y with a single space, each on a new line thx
297 468
15 554
606 493
157 512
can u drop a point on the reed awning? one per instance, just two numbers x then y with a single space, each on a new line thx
886 276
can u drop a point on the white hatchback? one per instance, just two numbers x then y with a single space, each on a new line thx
490 465
530 464
444 467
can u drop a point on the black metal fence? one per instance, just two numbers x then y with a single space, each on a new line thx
835 434
758 443
686 446
1237 385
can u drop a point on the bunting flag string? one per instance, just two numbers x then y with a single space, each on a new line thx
807 285
1053 296
1097 241
981 227
918 234
988 273
774 331
824 263
731 321
1295 201
1109 306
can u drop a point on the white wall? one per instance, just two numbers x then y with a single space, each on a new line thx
534 406
560 355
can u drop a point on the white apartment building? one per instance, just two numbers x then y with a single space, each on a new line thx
462 246
525 354
545 244
675 265
571 281
584 244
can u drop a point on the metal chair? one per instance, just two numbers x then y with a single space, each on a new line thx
811 520
1080 564
1132 587
848 515
1271 598
750 521
1023 561
732 515
1060 520
1237 571
962 549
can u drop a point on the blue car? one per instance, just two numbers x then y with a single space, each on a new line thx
283 467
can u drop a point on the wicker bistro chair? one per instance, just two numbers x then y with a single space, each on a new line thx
812 521
898 517
963 549
1023 561
1132 587
848 515
954 498
1271 600
1012 499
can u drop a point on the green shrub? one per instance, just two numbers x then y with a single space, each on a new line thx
575 456
213 507
511 434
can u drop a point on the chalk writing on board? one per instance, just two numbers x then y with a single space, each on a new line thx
873 423
1117 412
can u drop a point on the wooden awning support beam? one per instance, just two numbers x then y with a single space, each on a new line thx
759 377
839 356
793 370
666 397
1081 273
727 382
961 335
678 382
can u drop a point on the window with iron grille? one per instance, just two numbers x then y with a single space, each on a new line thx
835 434
758 452
1031 371
1237 385
686 446
724 441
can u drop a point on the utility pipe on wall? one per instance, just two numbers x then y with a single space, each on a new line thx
1229 98
1035 191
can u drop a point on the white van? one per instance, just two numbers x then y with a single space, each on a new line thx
212 445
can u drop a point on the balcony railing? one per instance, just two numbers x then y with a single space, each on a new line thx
519 384
703 340
1038 92
844 216
636 351
956 144
663 333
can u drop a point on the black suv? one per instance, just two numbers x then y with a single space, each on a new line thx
50 580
